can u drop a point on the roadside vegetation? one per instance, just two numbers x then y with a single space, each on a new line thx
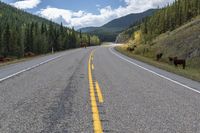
169 36
26 35
191 73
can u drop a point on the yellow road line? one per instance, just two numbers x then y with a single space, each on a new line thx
92 56
92 67
95 112
99 93
105 46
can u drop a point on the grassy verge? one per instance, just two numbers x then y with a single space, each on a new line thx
13 62
190 73
24 59
20 60
29 58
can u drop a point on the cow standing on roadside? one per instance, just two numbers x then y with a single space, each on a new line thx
179 62
159 56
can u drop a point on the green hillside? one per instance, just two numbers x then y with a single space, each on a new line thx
109 31
128 20
173 31
22 33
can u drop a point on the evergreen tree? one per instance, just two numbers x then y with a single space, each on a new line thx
6 41
21 32
1 44
89 41
72 39
169 18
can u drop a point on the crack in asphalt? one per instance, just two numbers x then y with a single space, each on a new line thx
62 109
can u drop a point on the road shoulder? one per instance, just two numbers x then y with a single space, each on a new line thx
177 79
192 74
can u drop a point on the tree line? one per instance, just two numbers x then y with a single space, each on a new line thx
21 32
169 18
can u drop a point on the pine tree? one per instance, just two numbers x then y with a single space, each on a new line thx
27 38
21 32
66 42
169 18
51 35
73 39
6 41
81 37
1 45
89 41
13 43
61 29
20 45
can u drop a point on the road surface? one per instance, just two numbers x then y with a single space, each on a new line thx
95 90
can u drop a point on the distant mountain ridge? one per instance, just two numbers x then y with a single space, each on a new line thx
88 29
110 30
128 20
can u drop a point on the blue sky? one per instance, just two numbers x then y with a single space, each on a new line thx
75 5
83 13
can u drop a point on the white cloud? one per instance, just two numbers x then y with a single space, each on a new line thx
26 4
83 19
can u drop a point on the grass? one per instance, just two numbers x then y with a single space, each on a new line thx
13 61
191 73
29 58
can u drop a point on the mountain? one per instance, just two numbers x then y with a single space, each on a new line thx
22 33
88 29
110 30
126 21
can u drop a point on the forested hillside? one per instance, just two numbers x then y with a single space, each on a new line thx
165 19
110 30
169 18
130 19
22 33
173 32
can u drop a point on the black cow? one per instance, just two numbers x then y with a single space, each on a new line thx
179 62
130 49
159 56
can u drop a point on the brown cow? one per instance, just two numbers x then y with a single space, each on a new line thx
179 62
130 49
83 45
29 54
1 59
159 56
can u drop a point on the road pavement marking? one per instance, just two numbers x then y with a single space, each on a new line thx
99 93
176 82
92 66
92 57
29 68
95 112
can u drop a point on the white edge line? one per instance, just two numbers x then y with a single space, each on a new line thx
29 68
176 82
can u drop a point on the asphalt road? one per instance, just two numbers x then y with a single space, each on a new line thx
61 95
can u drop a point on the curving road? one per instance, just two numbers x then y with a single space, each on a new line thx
80 91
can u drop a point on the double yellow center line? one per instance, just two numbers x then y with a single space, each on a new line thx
95 112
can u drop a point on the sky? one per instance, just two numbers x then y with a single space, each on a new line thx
85 13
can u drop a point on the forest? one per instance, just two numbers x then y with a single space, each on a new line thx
22 33
169 18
